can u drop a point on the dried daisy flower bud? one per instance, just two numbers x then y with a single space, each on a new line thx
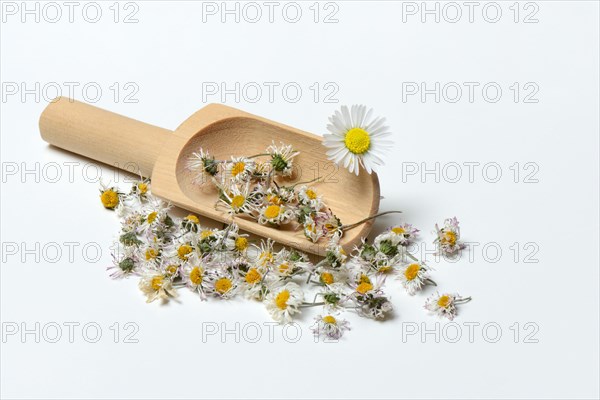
445 305
448 238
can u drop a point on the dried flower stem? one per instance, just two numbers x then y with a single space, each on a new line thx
362 221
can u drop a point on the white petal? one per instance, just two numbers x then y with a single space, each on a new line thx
377 123
366 160
354 115
346 118
362 111
347 159
356 165
367 120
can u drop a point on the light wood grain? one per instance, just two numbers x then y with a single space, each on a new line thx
102 135
225 132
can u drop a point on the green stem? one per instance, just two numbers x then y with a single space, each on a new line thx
362 221
412 257
305 182
463 300
306 305
430 282
259 155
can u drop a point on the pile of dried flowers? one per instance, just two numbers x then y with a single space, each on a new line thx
168 253
247 186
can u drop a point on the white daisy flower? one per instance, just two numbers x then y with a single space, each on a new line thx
263 256
203 165
156 285
131 220
288 263
280 195
190 223
156 216
369 297
309 196
110 196
222 285
330 327
363 285
331 277
448 237
183 247
234 241
389 244
253 283
150 254
170 267
240 169
240 243
311 230
125 263
357 139
387 266
283 302
209 240
275 214
413 277
194 277
238 200
334 297
445 305
281 158
398 234
335 256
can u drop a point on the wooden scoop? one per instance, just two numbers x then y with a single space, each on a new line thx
223 131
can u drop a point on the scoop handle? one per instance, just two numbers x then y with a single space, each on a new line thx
102 135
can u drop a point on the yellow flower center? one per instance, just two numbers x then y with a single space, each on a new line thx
172 269
238 168
398 230
223 285
357 140
283 268
411 271
157 282
450 238
364 287
384 269
238 201
327 278
253 276
206 234
328 319
364 279
151 254
142 187
109 198
241 243
311 194
272 211
152 217
266 257
281 299
443 301
196 275
183 251
274 199
193 218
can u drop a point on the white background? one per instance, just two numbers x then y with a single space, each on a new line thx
171 52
